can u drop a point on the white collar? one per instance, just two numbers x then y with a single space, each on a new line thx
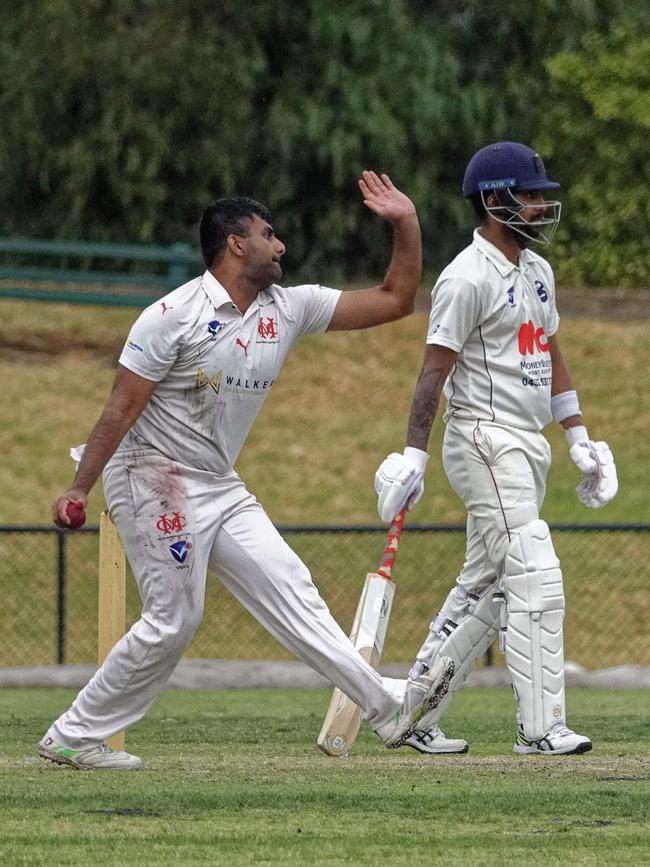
220 296
503 265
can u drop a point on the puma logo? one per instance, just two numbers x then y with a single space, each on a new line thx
244 346
165 308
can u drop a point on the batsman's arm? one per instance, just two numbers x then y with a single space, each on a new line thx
438 361
561 381
128 398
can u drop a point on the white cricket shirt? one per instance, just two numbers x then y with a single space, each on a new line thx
498 317
215 367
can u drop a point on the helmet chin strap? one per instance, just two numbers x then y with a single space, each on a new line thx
508 212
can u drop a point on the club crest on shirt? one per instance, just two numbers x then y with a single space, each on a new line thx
267 330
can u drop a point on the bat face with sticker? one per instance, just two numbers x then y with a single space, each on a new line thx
344 718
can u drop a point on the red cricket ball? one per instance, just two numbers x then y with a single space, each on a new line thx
77 515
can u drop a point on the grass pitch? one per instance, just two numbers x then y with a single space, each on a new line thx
235 778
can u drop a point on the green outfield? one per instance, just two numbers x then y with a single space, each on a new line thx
235 778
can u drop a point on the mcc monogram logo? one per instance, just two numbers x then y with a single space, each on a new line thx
267 328
173 523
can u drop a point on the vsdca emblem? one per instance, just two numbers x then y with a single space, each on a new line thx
180 550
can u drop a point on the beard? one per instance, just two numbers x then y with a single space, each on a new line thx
263 275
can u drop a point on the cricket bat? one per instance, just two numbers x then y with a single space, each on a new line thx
343 718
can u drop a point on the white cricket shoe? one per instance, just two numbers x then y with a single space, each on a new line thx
559 741
423 693
434 740
101 758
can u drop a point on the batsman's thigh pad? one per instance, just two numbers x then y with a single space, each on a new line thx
532 584
465 642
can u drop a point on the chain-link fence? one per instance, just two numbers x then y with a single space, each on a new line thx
50 583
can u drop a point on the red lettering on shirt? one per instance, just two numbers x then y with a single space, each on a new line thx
531 338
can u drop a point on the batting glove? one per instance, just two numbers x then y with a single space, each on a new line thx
399 482
596 463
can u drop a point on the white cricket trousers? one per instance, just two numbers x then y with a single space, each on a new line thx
176 523
500 475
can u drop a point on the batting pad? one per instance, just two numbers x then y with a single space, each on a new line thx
534 640
465 645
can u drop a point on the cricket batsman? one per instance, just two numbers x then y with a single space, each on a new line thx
492 346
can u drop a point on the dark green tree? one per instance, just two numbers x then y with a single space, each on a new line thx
122 119
117 116
598 131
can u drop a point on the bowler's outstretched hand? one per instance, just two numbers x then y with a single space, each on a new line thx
383 198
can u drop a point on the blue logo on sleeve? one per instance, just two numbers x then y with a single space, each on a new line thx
541 291
180 550
214 327
511 296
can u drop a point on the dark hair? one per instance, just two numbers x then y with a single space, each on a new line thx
226 217
479 207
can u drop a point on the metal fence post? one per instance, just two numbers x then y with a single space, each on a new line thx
60 599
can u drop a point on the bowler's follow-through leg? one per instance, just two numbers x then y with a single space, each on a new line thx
111 626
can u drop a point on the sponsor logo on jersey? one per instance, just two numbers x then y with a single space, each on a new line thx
267 330
238 382
165 308
173 523
131 344
202 379
541 291
214 328
531 339
180 550
511 296
243 345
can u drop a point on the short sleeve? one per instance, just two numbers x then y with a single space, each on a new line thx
312 307
153 342
553 315
456 310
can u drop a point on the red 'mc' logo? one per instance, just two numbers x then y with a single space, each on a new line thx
173 523
267 330
531 339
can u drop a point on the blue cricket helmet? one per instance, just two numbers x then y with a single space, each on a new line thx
506 165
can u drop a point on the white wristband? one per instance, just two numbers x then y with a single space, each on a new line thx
577 434
417 457
565 405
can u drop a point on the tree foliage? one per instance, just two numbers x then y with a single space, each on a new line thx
123 119
600 128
